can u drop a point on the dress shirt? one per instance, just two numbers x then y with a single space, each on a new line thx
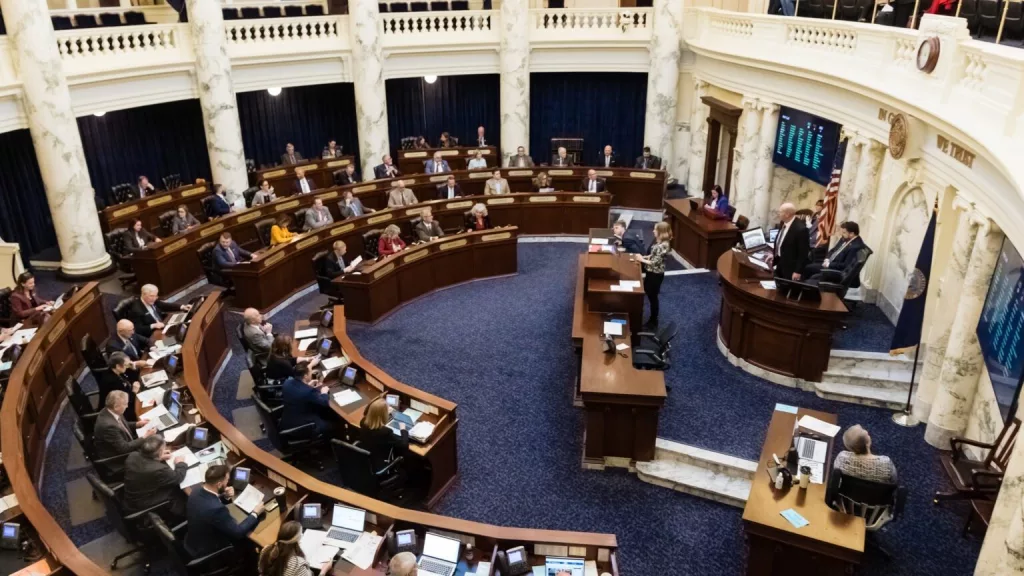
607 161
782 236
476 163
449 192
592 185
304 185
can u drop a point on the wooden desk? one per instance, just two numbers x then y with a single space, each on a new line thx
150 208
387 283
768 330
282 178
414 161
832 544
697 238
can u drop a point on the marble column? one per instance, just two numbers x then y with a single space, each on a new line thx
846 184
368 81
948 295
745 157
861 207
963 363
759 215
698 139
514 63
55 138
663 80
1002 552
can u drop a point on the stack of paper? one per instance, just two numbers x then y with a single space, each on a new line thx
620 288
363 551
422 431
313 547
613 328
195 475
413 415
333 363
249 498
184 452
599 241
307 333
154 378
768 284
151 397
171 434
306 343
7 502
346 397
815 425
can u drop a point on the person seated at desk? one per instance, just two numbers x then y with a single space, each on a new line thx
317 216
421 144
437 165
259 335
449 189
717 201
477 161
428 229
401 196
219 205
592 183
389 243
403 564
136 237
291 156
113 434
279 232
648 161
144 187
607 158
115 379
146 312
305 401
210 525
496 184
858 461
127 341
228 254
335 264
302 184
386 169
841 258
520 160
280 362
332 150
445 141
265 194
25 305
480 140
630 244
792 245
346 176
183 220
562 158
477 219
148 480
285 558
376 438
543 183
352 207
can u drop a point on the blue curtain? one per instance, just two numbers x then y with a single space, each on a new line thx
24 213
600 107
306 116
154 140
453 104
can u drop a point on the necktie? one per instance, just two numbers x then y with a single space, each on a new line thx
153 313
231 255
305 186
291 158
592 182
356 210
129 348
782 236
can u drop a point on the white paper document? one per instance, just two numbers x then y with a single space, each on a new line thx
482 569
413 415
249 498
356 262
599 241
184 452
759 264
346 397
363 551
768 284
151 397
307 333
620 288
171 434
195 475
613 328
333 362
305 343
590 568
154 378
313 547
631 283
422 431
814 425
817 470
622 347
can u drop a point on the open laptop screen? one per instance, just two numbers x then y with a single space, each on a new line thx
350 518
572 566
773 234
442 548
753 239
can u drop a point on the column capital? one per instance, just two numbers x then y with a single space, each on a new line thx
751 102
766 106
850 133
699 84
961 203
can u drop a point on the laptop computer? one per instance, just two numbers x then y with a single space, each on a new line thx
811 449
571 566
346 526
440 556
170 418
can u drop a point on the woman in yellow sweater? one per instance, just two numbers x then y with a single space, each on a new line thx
279 233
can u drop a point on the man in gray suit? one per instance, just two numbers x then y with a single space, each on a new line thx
317 216
351 207
148 480
520 160
257 333
428 229
290 156
112 435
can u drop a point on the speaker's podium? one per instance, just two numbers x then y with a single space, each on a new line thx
622 403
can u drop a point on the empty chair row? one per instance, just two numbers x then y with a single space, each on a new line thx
132 18
290 11
433 6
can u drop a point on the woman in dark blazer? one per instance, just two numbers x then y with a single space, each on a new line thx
136 237
280 363
26 306
477 219
376 438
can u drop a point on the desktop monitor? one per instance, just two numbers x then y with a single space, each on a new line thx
348 377
309 515
10 536
393 400
753 239
200 438
326 319
325 348
572 566
171 366
240 479
773 234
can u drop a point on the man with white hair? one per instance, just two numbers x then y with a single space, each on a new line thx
403 564
792 247
112 434
147 311
437 165
258 334
858 461
128 341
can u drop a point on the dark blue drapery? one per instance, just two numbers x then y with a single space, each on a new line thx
453 104
24 213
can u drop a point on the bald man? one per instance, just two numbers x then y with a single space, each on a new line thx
126 340
257 333
147 311
792 247
403 564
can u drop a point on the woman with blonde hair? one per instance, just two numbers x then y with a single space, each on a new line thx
654 268
477 219
285 557
375 436
543 183
389 242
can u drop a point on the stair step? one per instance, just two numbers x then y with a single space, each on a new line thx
889 398
843 360
714 461
872 378
696 481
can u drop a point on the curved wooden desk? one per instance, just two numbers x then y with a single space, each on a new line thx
282 178
150 208
31 404
699 239
206 340
413 161
768 330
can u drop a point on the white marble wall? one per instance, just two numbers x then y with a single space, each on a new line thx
745 157
763 165
217 98
515 78
368 81
846 199
861 208
985 420
900 255
663 79
791 187
55 137
698 139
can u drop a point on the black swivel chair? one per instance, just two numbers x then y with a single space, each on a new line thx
83 403
172 181
318 10
123 192
120 310
111 469
418 6
295 444
271 11
263 230
371 248
230 13
62 22
299 220
207 204
167 222
135 528
357 473
399 6
213 275
439 6
460 5
652 349
248 194
93 356
291 11
223 562
6 311
408 142
86 21
878 503
839 282
324 283
115 247
134 18
250 12
813 9
383 7
109 19
240 334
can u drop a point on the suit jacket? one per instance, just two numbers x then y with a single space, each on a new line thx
432 167
629 243
210 525
342 178
442 191
179 224
424 232
471 222
148 482
791 254
108 382
333 266
382 444
219 206
513 161
843 257
220 255
257 339
652 162
352 210
110 439
280 368
556 161
312 224
401 197
585 184
22 306
722 205
131 240
297 186
381 171
490 187
138 347
302 405
294 159
142 318
600 160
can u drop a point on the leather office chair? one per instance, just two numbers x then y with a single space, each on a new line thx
268 391
240 334
878 503
134 18
840 283
120 310
814 9
291 11
83 403
108 19
248 194
250 12
172 181
62 22
93 356
299 218
230 13
989 13
556 3
86 21
167 222
263 230
123 192
399 7
324 283
318 10
848 10
271 11
371 248
408 142
969 12
111 469
417 6
742 223
644 3
295 443
115 247
439 6
460 5
383 7
223 562
213 275
135 527
207 204
6 310
1014 24
652 349
358 475
977 479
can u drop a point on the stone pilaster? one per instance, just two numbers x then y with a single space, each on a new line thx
217 98
55 138
759 215
698 139
663 80
861 206
963 363
1002 552
846 184
368 80
514 61
745 157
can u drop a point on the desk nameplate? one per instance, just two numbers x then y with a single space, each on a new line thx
541 199
458 205
274 173
243 218
366 188
125 211
380 218
414 155
415 256
336 163
306 167
307 243
287 205
211 230
193 192
648 175
560 172
175 246
479 175
159 201
453 245
520 172
328 195
342 229
494 237
506 200
590 199
85 302
384 271
274 259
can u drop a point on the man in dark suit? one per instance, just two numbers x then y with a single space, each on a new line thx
227 253
335 264
428 229
351 207
302 184
792 247
561 158
290 156
210 525
116 378
630 244
305 401
147 311
386 169
648 161
480 140
607 158
346 176
219 205
437 165
449 190
592 183
113 435
145 188
148 480
843 257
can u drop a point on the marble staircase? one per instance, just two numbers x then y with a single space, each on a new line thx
868 378
699 472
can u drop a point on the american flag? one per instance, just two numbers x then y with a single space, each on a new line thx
827 220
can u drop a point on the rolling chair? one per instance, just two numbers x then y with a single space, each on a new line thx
814 9
439 6
299 217
652 349
383 7
295 444
268 391
840 283
120 310
263 231
115 247
134 18
460 5
248 194
86 21
223 562
172 181
207 204
6 311
977 479
357 473
82 402
230 13
969 12
111 469
240 334
878 503
324 283
62 22
213 275
108 19
167 222
1014 23
135 528
742 223
272 12
250 12
93 356
318 10
371 248
123 192
417 6
291 11
399 7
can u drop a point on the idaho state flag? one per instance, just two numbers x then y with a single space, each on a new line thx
908 326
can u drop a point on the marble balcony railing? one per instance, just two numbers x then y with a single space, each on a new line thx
428 28
285 36
597 25
124 48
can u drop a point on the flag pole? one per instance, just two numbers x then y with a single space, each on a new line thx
905 417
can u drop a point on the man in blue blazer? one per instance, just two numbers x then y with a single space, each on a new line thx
303 402
210 525
437 165
219 205
630 244
227 253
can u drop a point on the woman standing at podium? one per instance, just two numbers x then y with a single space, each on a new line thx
654 268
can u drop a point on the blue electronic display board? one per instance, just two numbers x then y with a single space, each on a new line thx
806 144
1001 327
